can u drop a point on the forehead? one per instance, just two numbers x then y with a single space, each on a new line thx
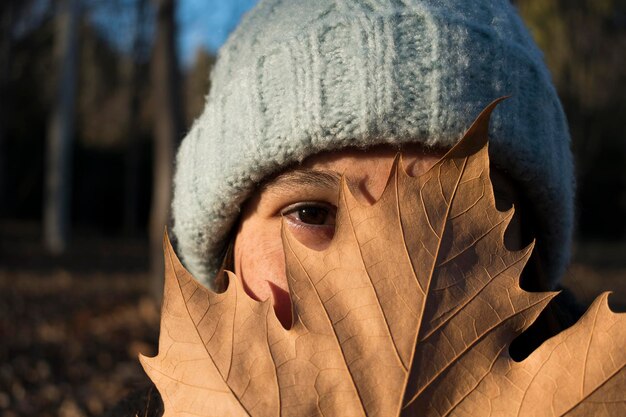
366 171
373 161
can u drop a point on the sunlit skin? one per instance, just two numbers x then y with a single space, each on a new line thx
306 197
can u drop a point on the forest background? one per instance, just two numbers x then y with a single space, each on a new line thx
95 96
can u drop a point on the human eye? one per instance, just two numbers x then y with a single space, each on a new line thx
311 214
311 222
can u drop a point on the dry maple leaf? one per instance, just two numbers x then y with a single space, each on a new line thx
410 311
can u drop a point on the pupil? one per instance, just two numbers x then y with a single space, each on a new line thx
312 215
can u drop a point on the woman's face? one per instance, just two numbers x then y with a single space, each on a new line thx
306 197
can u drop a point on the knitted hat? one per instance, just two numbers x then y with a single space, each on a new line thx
299 76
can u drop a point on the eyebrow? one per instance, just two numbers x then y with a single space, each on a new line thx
298 178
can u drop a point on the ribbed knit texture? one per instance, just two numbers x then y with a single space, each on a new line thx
300 76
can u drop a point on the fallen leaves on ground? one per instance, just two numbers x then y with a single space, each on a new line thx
69 339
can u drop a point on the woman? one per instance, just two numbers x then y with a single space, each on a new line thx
306 91
309 85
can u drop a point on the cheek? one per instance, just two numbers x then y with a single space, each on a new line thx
259 260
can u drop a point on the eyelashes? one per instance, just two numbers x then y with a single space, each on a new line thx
311 214
312 223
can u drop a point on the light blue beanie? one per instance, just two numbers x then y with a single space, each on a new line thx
302 76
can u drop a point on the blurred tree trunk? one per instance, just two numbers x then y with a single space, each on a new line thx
56 215
167 130
133 155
